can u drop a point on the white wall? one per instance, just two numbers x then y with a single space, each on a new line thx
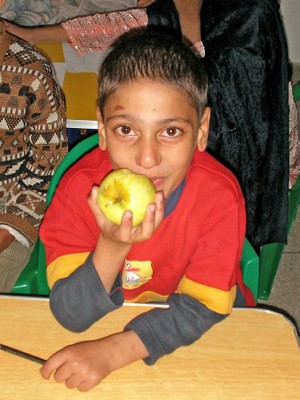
290 10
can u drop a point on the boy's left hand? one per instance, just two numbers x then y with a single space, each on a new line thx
85 364
79 365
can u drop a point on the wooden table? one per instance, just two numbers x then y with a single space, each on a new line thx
253 354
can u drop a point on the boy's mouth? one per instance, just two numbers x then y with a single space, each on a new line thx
157 181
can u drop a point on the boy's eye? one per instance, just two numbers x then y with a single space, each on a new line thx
124 130
172 132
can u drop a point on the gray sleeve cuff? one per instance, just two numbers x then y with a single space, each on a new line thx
163 330
80 299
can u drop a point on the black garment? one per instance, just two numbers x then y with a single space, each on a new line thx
247 64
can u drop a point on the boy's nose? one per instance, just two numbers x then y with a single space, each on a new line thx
148 154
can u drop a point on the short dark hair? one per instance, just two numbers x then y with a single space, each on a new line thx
142 54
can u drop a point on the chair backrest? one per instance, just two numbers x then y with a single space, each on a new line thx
250 268
74 155
71 158
296 92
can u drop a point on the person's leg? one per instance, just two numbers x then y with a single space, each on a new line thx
12 262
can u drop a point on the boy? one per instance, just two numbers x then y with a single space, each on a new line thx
33 141
153 120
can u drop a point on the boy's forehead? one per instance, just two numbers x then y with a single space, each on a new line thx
138 84
150 91
150 102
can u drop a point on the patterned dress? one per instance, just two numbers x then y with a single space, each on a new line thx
32 135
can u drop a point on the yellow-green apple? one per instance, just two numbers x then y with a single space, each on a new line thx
123 190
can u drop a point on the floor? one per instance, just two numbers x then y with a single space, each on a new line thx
285 293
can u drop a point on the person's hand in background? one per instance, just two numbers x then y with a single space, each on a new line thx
189 15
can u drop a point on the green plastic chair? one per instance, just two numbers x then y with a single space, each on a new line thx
250 268
33 279
26 283
74 155
270 254
296 92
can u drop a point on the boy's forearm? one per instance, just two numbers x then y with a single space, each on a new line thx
127 348
163 330
108 259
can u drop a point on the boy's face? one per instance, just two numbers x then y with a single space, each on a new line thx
152 129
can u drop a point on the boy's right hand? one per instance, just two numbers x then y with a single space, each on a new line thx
115 241
125 233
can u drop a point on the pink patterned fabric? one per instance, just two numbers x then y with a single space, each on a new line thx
97 32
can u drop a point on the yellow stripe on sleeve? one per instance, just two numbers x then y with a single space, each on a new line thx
148 297
217 300
64 266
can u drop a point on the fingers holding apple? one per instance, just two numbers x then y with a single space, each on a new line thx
122 190
131 209
154 216
93 204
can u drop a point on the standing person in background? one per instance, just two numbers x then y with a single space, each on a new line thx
249 73
32 143
98 31
246 59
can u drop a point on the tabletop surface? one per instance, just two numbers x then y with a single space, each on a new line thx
253 354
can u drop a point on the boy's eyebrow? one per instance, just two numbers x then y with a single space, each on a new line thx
162 121
117 116
169 120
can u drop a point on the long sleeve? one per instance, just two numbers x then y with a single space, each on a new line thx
80 300
33 135
164 330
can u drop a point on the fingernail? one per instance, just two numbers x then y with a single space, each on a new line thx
152 207
127 214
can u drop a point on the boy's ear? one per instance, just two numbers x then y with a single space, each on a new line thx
203 131
101 131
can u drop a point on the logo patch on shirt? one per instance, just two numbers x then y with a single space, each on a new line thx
136 273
